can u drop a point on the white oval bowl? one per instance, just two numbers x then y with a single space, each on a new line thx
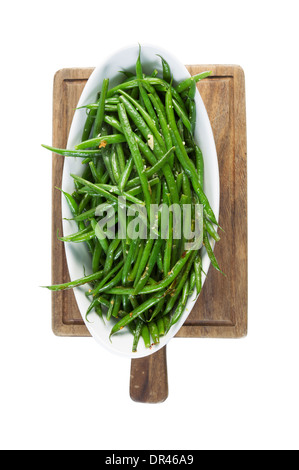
78 258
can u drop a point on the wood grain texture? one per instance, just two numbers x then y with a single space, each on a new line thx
148 380
221 311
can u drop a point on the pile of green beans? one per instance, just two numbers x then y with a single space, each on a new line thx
138 142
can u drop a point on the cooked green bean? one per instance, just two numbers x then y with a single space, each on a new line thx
99 118
146 336
104 281
101 141
135 154
150 266
197 270
178 289
138 149
161 327
135 313
74 153
166 69
184 85
181 306
77 283
154 332
137 335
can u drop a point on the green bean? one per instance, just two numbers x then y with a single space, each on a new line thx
97 189
150 266
128 195
96 256
146 336
154 332
71 202
110 284
94 172
166 321
157 309
126 85
104 281
147 118
110 255
83 237
144 148
88 124
160 261
129 261
187 188
78 234
162 85
113 122
112 108
192 91
133 273
91 307
102 141
174 296
143 95
160 164
100 235
118 253
210 252
94 106
168 247
135 154
197 269
162 119
166 69
116 306
121 156
152 171
184 85
115 165
135 313
74 153
185 161
137 335
85 215
126 174
84 202
144 129
161 327
210 229
106 154
181 113
179 182
192 281
77 283
153 92
99 312
157 287
111 306
181 306
138 148
99 118
199 165
144 259
192 105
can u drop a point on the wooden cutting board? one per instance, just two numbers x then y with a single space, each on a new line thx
221 310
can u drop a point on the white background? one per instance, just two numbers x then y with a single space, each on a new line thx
67 393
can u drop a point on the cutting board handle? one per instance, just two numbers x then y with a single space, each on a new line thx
149 383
